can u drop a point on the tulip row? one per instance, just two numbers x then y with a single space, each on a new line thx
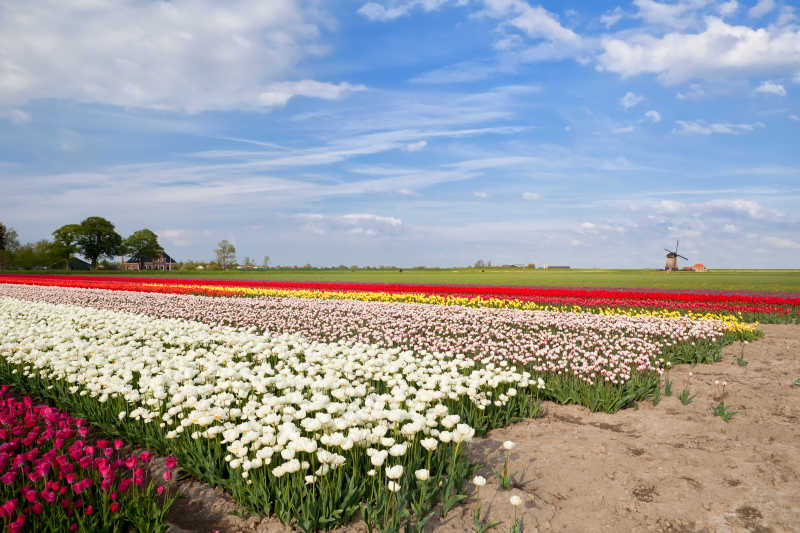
55 480
306 430
749 308
604 362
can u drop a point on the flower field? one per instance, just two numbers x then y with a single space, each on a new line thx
742 307
315 407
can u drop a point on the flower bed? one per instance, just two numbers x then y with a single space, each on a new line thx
584 358
745 307
55 479
306 430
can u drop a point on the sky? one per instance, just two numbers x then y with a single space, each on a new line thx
410 132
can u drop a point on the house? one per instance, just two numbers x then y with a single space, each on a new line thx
161 262
74 264
699 267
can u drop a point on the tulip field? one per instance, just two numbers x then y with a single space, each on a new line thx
316 403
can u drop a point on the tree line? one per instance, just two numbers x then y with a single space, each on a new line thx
94 238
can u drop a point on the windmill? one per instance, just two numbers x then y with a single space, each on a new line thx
672 258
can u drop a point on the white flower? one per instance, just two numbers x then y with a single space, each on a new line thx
429 444
509 445
393 486
398 450
422 474
515 500
394 472
479 481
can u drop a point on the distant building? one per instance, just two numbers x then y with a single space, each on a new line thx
556 267
699 267
161 262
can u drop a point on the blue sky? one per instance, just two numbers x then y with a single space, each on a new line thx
410 132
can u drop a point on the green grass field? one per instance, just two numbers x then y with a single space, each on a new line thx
751 280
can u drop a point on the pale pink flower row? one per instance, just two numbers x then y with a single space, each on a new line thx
589 346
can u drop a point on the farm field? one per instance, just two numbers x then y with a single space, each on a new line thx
730 280
348 406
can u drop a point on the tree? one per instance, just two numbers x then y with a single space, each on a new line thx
226 254
143 244
66 242
97 238
41 254
8 244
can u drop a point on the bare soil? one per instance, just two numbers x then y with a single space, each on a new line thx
665 467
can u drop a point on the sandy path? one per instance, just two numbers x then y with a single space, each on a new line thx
668 467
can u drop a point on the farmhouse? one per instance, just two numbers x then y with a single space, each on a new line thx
161 262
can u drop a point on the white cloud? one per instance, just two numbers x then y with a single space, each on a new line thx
720 50
701 127
794 117
695 92
416 146
677 15
588 226
279 93
611 18
653 116
780 242
727 9
630 100
761 8
729 228
531 196
535 22
353 224
15 116
770 87
188 55
622 129
380 13
480 194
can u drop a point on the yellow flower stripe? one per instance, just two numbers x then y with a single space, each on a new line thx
733 321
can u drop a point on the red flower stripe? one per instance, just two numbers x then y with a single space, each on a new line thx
469 291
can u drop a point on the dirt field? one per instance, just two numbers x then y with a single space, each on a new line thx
669 467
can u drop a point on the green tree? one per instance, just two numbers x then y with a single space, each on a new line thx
143 244
41 254
226 254
8 244
98 238
66 242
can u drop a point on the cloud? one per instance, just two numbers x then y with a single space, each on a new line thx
277 94
678 15
622 129
480 194
352 224
761 8
727 9
15 116
611 18
700 127
770 87
379 13
695 92
531 196
794 117
729 228
630 100
780 242
417 146
188 55
653 116
719 51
